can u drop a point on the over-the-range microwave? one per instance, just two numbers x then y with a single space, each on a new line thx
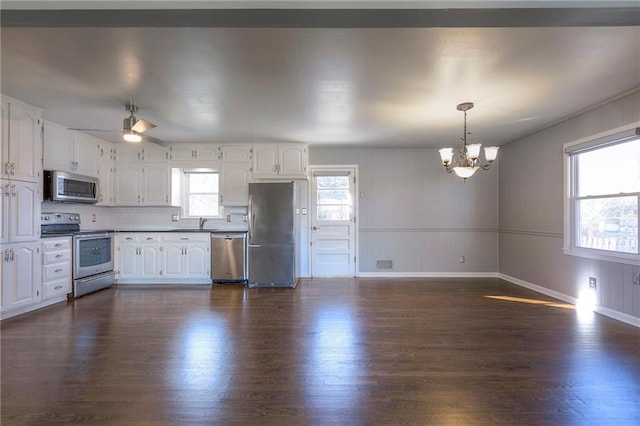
68 187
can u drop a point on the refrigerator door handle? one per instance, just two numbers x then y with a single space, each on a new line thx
251 217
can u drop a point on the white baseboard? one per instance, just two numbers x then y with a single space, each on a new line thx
133 281
39 305
627 319
428 275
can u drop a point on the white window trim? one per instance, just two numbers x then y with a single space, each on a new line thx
569 247
184 198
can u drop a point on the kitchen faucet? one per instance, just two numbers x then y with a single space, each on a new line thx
201 222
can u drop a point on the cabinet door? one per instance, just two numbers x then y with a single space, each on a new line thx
127 185
234 184
184 153
207 153
265 161
127 153
58 148
105 183
155 185
197 261
235 154
22 279
25 143
4 142
151 260
5 193
24 211
130 262
173 260
86 154
154 154
292 160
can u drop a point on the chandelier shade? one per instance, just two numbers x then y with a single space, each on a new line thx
465 161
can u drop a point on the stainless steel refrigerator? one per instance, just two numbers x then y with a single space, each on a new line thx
272 235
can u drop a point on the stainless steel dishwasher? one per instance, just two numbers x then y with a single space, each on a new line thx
229 257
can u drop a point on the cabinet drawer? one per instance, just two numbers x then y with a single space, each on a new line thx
186 237
56 288
50 257
56 244
56 271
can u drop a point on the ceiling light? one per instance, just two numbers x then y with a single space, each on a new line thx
131 136
464 162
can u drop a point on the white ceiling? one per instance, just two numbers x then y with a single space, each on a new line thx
347 86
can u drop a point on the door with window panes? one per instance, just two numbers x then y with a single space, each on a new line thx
333 222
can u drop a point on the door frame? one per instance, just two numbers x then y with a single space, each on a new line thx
356 211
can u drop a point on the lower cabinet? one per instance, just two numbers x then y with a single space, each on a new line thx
56 267
21 275
163 257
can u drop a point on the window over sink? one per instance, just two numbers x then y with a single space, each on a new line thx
196 191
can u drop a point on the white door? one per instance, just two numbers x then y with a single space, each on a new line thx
333 216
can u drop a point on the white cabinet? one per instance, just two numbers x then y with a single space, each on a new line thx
21 148
234 184
235 154
56 267
20 211
139 256
187 255
105 174
21 275
141 185
202 152
147 152
280 161
163 257
70 151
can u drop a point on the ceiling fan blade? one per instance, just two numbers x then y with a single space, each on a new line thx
154 140
94 130
142 125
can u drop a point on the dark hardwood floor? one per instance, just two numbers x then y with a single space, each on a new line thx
332 351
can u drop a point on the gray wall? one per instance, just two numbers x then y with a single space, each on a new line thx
531 212
418 216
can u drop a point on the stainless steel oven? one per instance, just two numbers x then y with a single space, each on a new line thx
93 262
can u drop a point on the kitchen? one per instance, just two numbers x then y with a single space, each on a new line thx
134 191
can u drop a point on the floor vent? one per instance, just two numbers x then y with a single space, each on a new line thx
384 264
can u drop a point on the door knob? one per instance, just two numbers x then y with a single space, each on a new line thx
315 228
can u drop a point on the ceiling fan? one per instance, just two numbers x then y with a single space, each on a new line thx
133 128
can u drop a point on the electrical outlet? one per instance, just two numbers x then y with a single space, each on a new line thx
175 217
592 282
461 259
636 278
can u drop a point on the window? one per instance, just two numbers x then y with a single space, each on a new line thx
604 196
196 191
333 198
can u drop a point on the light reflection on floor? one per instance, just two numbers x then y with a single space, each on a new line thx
201 372
533 301
334 362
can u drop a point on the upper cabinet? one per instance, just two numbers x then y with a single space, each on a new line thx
201 152
147 152
237 154
21 151
70 151
280 161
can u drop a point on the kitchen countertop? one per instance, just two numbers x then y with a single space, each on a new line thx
208 231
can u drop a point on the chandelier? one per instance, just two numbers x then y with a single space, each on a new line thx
466 161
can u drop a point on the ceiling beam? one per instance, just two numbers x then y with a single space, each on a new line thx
325 18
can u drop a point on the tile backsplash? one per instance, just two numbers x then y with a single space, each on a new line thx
143 218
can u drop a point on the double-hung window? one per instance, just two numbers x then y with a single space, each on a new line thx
197 191
604 196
